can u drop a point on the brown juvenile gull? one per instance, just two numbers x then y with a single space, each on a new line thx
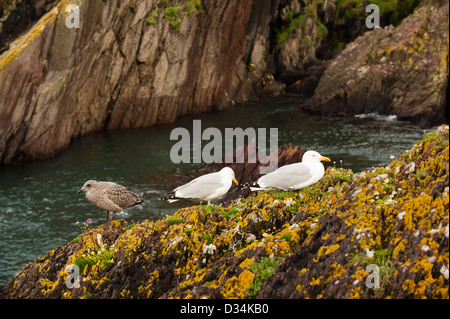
110 196
206 187
293 176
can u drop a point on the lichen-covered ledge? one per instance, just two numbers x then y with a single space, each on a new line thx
321 242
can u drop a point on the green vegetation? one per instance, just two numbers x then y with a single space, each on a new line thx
98 4
386 268
207 238
347 9
174 220
322 30
383 170
398 9
7 7
151 20
208 209
102 257
264 269
382 259
289 29
349 12
344 175
282 194
188 231
230 213
192 6
174 14
440 141
286 237
163 4
305 41
131 225
294 22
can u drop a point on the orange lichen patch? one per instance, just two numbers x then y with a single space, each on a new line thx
337 270
236 287
277 248
399 248
145 289
355 293
409 286
47 286
316 281
197 277
303 271
246 263
325 250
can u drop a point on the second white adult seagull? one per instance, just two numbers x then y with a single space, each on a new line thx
206 187
293 176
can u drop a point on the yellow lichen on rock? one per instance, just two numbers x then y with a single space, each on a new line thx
22 42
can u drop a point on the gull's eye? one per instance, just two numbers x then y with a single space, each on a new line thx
88 185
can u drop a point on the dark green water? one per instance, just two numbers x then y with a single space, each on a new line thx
39 204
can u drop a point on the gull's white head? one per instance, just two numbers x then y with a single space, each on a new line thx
227 171
313 156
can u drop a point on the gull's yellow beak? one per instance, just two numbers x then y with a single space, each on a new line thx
326 159
235 181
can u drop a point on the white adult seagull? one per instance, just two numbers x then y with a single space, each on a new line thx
206 187
293 176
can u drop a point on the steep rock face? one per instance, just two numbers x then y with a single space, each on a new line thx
17 15
402 71
130 64
300 31
313 243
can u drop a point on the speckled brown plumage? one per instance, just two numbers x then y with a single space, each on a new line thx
110 196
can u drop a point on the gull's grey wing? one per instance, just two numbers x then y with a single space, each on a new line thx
286 176
201 187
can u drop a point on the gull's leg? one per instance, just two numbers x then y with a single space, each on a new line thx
108 220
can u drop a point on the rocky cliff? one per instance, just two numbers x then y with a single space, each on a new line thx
129 64
139 63
401 71
382 233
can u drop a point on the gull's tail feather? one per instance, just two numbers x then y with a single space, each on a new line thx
139 202
254 186
170 198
